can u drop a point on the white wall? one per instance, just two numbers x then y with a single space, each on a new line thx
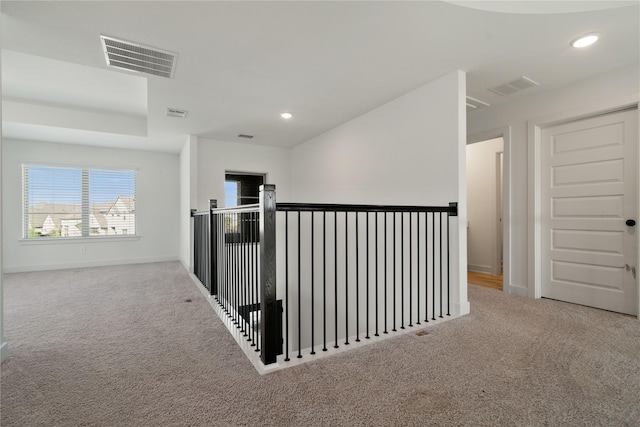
482 206
606 89
157 210
409 151
188 198
217 157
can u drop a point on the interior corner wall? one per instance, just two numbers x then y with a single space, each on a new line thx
188 198
215 158
605 89
409 151
157 208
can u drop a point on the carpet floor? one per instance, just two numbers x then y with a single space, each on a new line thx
139 345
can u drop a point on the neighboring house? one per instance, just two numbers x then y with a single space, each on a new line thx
60 220
121 216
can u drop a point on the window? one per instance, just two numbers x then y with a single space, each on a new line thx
77 202
241 189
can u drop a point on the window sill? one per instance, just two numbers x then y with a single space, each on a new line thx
67 240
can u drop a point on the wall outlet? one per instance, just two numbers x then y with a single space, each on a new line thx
83 249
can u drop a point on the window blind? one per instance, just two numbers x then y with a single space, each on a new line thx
78 202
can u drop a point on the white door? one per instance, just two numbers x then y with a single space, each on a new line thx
589 191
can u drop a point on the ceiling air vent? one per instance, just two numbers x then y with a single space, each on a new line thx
475 104
174 112
244 135
515 86
136 57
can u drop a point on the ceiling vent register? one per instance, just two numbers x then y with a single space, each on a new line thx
139 58
515 86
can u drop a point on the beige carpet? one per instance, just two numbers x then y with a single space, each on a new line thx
122 346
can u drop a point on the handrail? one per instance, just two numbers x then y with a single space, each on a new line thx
331 207
238 209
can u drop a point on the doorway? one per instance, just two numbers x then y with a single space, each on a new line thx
485 207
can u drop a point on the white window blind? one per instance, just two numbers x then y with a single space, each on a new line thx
78 202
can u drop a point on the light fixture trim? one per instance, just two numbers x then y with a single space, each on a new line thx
286 115
585 40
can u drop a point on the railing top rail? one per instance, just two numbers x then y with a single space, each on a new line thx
328 207
200 213
238 209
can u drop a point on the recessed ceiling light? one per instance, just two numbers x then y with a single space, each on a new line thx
586 40
286 115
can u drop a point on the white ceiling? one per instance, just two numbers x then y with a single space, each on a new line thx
242 63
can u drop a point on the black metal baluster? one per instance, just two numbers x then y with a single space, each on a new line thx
286 285
426 267
410 269
324 280
299 292
401 270
346 278
385 272
257 278
245 273
377 269
312 286
251 284
440 264
448 267
394 272
335 271
433 266
418 267
367 277
357 283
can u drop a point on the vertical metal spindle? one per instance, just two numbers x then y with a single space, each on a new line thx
418 268
312 286
448 267
245 275
433 265
251 284
286 285
357 284
440 264
324 281
335 273
256 251
401 270
367 277
410 269
385 273
299 292
377 292
346 278
426 267
394 272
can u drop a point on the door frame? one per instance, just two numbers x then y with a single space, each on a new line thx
534 176
505 134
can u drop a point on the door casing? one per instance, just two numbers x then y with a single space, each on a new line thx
534 143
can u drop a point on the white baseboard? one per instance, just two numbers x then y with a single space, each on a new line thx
4 351
487 269
519 291
462 309
97 263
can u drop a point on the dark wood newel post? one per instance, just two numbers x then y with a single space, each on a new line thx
213 244
268 307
